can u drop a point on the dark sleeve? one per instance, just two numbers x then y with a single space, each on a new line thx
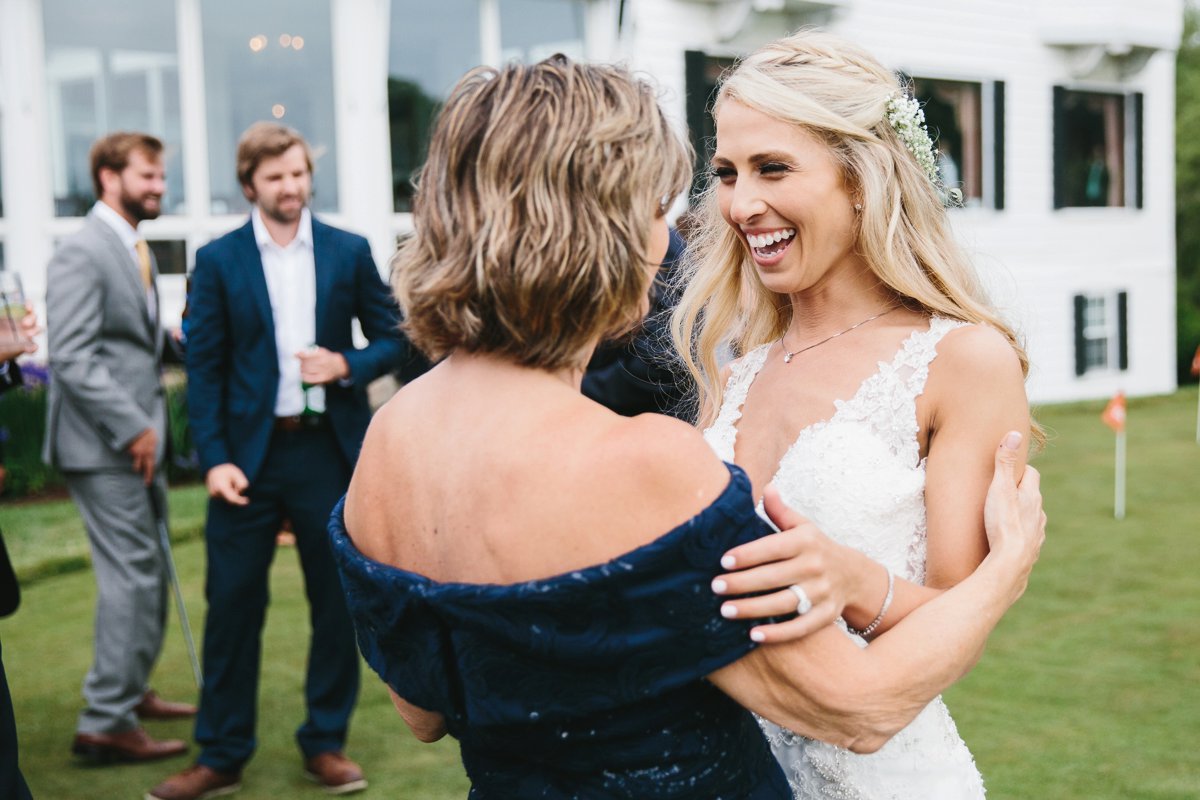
10 375
379 318
208 362
643 375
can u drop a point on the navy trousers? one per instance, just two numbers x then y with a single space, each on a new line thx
302 478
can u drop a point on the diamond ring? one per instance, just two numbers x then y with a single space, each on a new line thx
803 604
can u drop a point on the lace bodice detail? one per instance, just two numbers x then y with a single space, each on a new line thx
860 477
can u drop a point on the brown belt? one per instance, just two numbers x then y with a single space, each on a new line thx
301 422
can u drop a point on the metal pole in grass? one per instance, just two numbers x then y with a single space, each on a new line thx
164 537
1114 417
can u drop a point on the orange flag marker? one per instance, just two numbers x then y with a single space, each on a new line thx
1114 413
1114 417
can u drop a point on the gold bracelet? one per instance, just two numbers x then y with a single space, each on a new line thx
887 602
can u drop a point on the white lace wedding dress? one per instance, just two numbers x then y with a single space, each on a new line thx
860 478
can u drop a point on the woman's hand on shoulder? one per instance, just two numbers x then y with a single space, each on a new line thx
782 567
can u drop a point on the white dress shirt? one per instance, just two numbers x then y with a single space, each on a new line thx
129 238
291 275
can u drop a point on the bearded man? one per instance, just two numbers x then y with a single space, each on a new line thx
106 427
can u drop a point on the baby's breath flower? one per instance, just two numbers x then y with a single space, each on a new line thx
905 116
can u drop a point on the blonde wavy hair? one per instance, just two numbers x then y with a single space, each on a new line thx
839 93
532 212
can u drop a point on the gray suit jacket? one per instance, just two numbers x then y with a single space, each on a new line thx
105 351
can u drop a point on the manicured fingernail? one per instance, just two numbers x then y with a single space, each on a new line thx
757 636
728 610
719 586
1013 440
728 562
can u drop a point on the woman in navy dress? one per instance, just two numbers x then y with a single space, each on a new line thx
536 575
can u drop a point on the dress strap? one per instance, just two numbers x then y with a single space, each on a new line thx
919 351
723 431
887 401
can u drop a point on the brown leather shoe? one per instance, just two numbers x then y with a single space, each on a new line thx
335 773
154 707
134 745
197 782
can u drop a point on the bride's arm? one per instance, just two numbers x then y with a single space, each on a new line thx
973 395
826 687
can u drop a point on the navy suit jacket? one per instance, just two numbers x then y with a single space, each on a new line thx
233 370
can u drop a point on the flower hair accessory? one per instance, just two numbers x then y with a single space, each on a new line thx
905 116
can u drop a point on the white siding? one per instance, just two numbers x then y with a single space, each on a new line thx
1034 258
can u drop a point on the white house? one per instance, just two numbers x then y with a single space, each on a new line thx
1056 115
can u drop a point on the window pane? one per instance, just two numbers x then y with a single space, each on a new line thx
170 255
531 30
1094 313
1093 148
422 68
1096 353
110 65
268 60
954 116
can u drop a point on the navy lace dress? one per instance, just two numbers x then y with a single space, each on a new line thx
588 684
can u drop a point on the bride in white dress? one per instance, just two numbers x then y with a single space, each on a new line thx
873 377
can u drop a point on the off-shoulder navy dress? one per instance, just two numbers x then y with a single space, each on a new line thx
589 684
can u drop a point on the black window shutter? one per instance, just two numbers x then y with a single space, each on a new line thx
1060 154
1138 98
1080 342
998 138
697 87
1123 330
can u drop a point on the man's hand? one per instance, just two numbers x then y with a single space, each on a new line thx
29 329
143 449
318 366
227 482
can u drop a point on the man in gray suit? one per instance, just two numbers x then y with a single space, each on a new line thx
106 429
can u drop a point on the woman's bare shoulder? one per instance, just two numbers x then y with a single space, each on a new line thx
670 460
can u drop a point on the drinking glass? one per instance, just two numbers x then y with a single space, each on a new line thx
12 309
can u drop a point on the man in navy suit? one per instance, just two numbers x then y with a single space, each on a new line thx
278 409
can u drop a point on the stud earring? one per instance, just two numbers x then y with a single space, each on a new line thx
858 207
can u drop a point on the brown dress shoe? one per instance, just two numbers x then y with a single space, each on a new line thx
154 707
134 745
335 773
197 782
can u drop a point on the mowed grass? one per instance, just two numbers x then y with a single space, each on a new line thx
1090 688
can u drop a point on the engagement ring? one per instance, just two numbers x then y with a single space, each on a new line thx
803 604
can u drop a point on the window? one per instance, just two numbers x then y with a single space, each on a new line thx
422 69
268 60
1101 341
170 255
702 72
531 30
1097 148
966 121
421 72
104 73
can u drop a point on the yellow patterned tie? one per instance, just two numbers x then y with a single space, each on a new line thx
143 254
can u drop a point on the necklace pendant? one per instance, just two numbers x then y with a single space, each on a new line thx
787 357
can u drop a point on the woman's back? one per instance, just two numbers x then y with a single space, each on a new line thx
545 587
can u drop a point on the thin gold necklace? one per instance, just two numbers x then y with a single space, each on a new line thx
788 355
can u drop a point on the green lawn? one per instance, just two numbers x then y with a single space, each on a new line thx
1090 687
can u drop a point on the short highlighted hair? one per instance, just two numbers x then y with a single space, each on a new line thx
532 213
